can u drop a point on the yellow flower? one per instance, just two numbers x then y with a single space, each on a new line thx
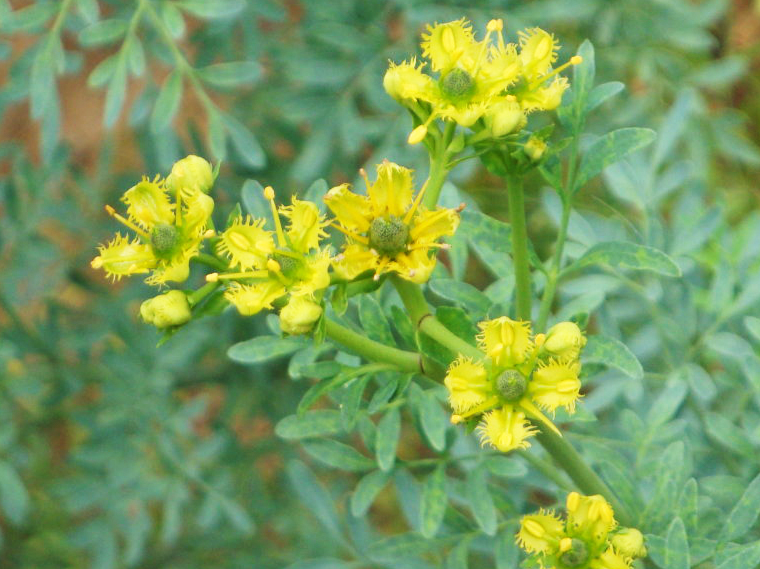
509 389
493 80
582 541
556 384
540 532
507 342
468 385
191 175
169 233
506 428
387 230
275 264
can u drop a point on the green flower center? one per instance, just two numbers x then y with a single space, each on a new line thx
457 84
576 556
511 384
293 268
164 240
388 236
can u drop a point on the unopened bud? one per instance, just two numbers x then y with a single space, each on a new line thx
564 340
417 135
299 315
535 148
269 193
166 310
629 542
192 174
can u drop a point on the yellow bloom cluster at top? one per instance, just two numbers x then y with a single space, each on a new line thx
479 84
274 265
170 218
388 230
588 539
520 376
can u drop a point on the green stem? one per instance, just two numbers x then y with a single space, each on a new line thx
424 321
519 245
373 351
551 280
547 469
438 167
196 296
587 480
210 261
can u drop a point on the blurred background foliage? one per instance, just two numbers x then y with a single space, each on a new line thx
116 454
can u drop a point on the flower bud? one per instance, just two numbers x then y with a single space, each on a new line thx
505 117
564 340
535 148
166 310
629 543
417 135
191 175
299 315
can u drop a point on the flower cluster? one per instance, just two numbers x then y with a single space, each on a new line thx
284 265
169 218
388 230
521 376
588 539
483 85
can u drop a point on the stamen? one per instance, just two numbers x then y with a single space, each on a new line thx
363 174
487 405
534 413
351 234
269 195
408 215
216 277
443 246
574 60
124 221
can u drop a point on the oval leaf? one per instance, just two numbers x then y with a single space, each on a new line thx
366 492
265 348
676 554
167 102
386 439
433 502
310 424
612 353
745 512
231 74
610 148
338 455
628 255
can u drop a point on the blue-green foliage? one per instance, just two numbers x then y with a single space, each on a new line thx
116 454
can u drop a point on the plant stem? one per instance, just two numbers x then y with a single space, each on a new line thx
551 279
210 261
424 321
373 351
519 245
438 167
196 296
587 480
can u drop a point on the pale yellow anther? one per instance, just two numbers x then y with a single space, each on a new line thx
456 419
273 266
495 25
212 277
565 544
269 193
417 135
573 501
533 528
110 210
209 234
97 262
539 340
576 59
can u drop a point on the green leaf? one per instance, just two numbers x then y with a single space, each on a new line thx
433 502
216 10
103 32
217 135
610 148
403 546
583 77
351 401
265 348
490 239
612 353
628 255
386 439
744 514
505 466
102 73
667 403
310 424
461 293
433 420
237 516
366 491
338 455
676 555
173 19
115 95
688 505
167 102
480 500
373 321
135 55
726 433
231 74
323 563
457 557
746 557
602 92
315 497
42 86
244 142
752 325
14 499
